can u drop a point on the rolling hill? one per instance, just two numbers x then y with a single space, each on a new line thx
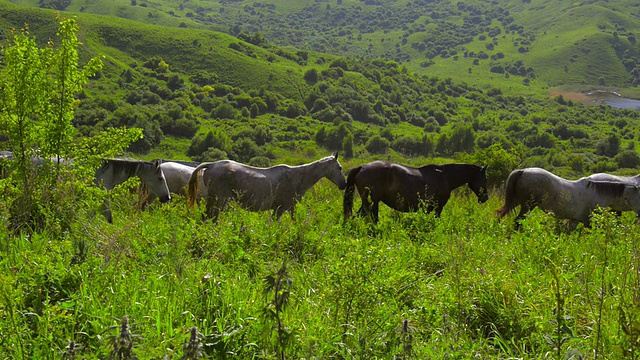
523 46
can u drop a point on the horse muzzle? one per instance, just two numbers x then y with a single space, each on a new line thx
342 185
165 199
482 199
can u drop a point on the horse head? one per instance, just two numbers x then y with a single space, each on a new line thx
335 173
156 182
478 185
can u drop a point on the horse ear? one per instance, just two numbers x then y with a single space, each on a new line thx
335 155
484 168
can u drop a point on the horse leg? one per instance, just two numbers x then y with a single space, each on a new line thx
524 209
374 211
212 210
365 208
146 201
106 211
438 210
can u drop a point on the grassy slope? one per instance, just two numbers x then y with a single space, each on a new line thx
468 285
569 48
126 42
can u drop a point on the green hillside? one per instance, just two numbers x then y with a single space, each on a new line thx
586 43
186 51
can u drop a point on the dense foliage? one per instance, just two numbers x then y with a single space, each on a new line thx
413 286
164 283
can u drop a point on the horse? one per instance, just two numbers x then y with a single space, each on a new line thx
277 188
630 180
408 189
567 199
177 175
116 171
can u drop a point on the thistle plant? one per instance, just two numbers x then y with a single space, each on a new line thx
406 338
123 343
71 351
193 349
277 291
561 332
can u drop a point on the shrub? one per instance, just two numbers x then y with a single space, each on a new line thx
627 159
224 111
311 76
377 145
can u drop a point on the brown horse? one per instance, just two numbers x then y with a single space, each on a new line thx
277 188
408 189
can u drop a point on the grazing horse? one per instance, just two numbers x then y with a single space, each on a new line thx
408 189
276 188
116 171
629 180
177 175
573 200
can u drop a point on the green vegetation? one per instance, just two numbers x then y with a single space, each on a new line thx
205 96
563 43
164 283
413 286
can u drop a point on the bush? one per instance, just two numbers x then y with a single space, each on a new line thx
377 145
224 111
627 159
311 76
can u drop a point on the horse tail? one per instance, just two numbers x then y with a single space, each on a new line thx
193 186
347 202
510 193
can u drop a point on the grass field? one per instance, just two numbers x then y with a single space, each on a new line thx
461 286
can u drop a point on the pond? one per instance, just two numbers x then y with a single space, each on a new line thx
613 99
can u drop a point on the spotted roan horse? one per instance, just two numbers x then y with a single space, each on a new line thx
567 199
277 188
409 189
116 171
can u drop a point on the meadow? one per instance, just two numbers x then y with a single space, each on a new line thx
165 284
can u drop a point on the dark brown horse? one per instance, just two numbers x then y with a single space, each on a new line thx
408 189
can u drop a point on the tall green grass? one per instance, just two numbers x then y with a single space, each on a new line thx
413 286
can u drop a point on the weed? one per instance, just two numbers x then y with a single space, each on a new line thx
193 348
123 343
278 285
561 332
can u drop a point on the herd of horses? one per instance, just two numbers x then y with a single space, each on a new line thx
403 188
400 187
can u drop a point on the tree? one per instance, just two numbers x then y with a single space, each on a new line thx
347 146
377 145
609 147
37 97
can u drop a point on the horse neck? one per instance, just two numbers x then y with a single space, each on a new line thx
308 175
457 175
119 172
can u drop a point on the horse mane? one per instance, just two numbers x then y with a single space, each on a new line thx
128 166
182 162
609 188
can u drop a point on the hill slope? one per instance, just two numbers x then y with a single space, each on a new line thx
542 43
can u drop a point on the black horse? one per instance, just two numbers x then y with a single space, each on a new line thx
408 189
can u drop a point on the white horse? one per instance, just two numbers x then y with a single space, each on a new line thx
629 180
574 200
116 171
276 188
177 175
